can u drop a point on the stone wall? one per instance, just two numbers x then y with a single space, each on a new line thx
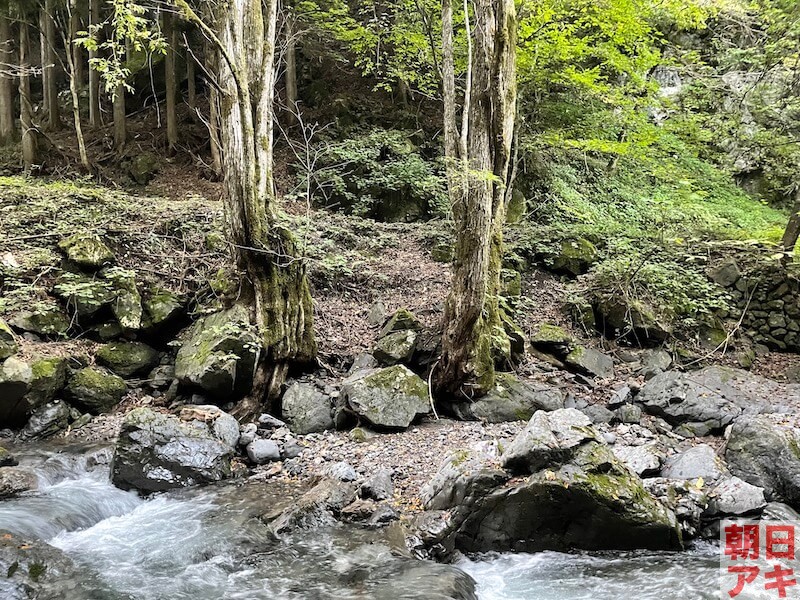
770 296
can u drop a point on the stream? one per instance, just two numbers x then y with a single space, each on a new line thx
206 544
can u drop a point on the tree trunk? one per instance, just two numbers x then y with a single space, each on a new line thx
94 75
6 85
213 132
191 83
264 250
120 124
449 92
792 231
291 73
49 61
171 35
474 333
30 144
78 63
74 84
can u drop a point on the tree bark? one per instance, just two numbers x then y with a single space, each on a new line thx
74 84
171 35
30 144
94 75
49 61
6 86
264 250
191 83
120 124
792 231
474 332
449 91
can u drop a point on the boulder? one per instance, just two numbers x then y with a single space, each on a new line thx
575 257
86 250
734 497
510 400
261 451
714 396
83 296
47 420
49 375
401 320
8 343
697 462
220 354
684 498
127 304
46 320
341 471
378 486
571 493
318 507
599 414
160 308
306 409
127 359
144 166
725 274
14 481
628 413
763 451
554 340
396 348
95 390
645 460
15 381
634 322
389 398
157 451
591 362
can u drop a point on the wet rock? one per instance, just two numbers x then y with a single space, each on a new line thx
306 409
734 497
378 486
395 348
318 507
261 451
684 498
47 420
7 459
220 354
157 451
645 460
8 343
401 320
15 381
389 398
359 509
127 359
87 251
590 361
95 390
698 461
763 451
511 399
14 481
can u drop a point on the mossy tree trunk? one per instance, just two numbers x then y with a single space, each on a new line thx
291 71
792 231
120 119
171 35
473 331
6 81
264 250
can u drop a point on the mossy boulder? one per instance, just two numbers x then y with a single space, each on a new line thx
87 250
397 347
15 381
157 451
49 375
95 390
83 296
220 354
553 339
636 322
443 252
401 320
389 398
575 256
161 307
127 304
143 167
8 343
46 320
127 359
511 399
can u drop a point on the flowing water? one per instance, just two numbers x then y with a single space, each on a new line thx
206 544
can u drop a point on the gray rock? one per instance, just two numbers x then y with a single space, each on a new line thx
157 451
267 421
127 305
609 438
95 390
15 381
629 413
220 354
684 499
377 313
396 348
247 433
511 399
47 420
591 362
160 308
547 438
401 320
698 461
161 377
598 414
644 460
47 321
654 362
389 398
291 449
734 497
341 471
361 362
305 409
378 486
725 274
127 359
318 507
620 397
14 481
763 451
263 451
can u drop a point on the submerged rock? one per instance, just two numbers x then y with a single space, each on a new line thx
318 507
157 451
306 409
127 359
389 398
510 400
95 390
